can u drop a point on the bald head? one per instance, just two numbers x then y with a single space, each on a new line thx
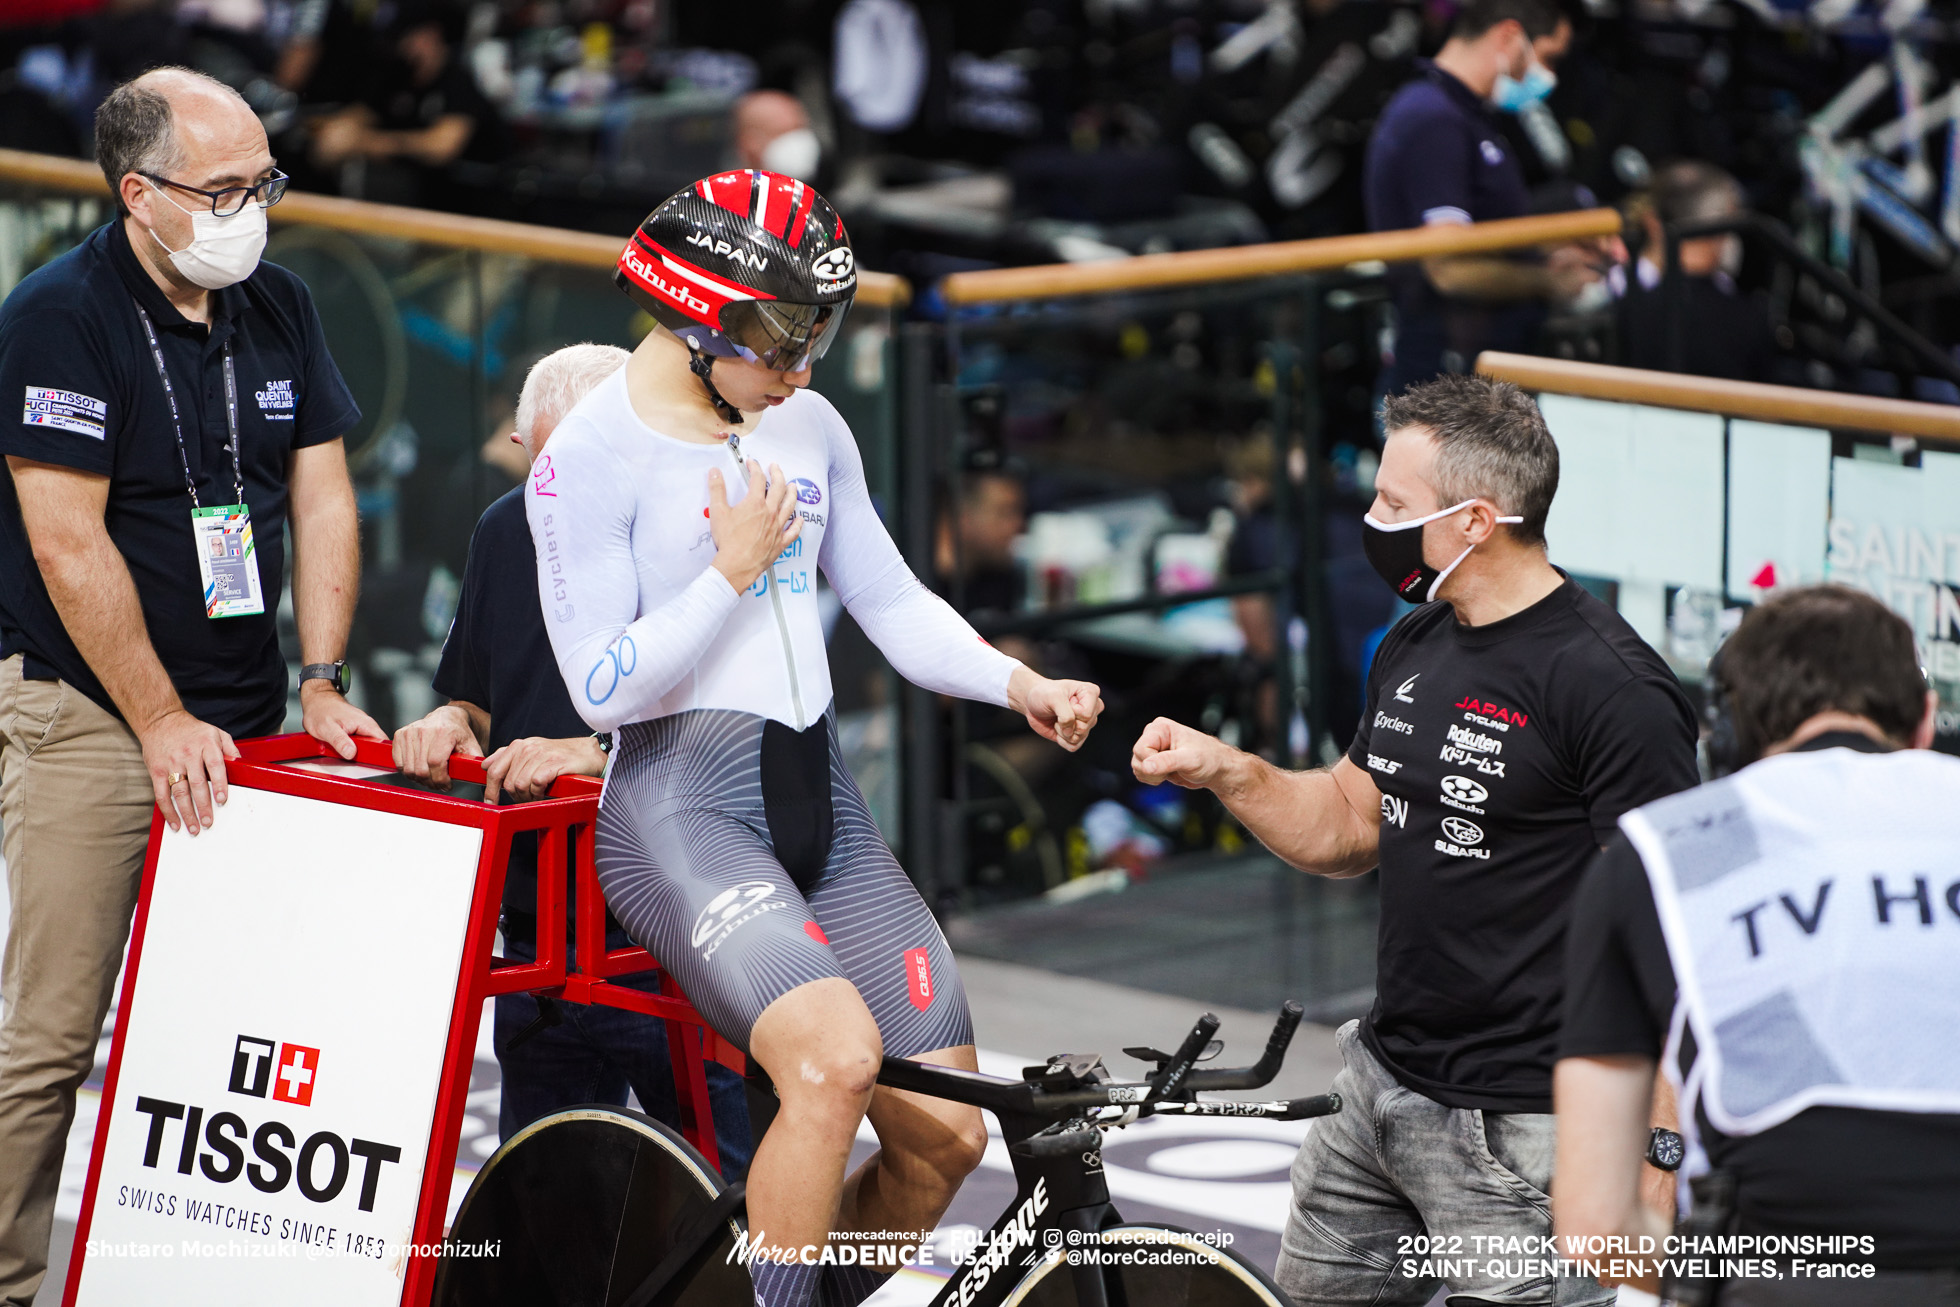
762 116
180 124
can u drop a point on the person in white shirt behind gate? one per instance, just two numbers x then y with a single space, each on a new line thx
1785 944
679 518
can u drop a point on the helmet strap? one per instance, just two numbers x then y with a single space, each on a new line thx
703 366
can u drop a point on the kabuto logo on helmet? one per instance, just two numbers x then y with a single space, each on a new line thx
759 259
835 264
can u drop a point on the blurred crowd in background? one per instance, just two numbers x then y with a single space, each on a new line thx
1093 455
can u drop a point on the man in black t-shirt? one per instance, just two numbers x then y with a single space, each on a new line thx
505 696
1814 1010
1507 728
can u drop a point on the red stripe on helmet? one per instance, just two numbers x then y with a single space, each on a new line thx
731 190
776 204
805 201
726 286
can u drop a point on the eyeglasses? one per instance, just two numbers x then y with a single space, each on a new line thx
233 199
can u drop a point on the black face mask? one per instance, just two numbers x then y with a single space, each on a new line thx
1394 550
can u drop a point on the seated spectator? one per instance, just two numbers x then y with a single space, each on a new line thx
422 115
973 545
772 131
1725 332
1778 946
505 696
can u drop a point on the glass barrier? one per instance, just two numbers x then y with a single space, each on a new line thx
434 341
1683 518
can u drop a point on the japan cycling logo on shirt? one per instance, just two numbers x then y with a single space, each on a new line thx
729 911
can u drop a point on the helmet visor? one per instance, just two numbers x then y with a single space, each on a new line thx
781 337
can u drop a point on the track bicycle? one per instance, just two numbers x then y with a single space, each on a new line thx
604 1207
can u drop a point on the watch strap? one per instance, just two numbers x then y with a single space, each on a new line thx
334 673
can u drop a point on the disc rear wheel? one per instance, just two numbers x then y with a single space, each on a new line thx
579 1208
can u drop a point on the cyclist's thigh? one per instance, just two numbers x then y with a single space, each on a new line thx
687 870
884 936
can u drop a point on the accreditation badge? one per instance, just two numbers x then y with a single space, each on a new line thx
226 559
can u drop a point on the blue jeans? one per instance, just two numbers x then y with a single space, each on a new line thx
594 1054
1391 1195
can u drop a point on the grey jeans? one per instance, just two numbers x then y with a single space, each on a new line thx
1392 1196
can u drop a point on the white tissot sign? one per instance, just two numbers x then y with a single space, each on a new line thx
281 1056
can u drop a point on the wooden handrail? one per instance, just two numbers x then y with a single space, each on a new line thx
1245 262
1738 399
490 235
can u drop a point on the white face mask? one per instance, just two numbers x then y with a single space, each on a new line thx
223 251
793 154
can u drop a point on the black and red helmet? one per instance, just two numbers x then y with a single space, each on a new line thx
746 264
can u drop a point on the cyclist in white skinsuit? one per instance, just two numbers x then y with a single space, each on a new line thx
678 537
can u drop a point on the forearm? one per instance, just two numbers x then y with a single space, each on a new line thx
326 572
1478 278
927 642
1301 816
1602 1106
96 600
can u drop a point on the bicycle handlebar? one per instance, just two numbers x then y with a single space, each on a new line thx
1168 1090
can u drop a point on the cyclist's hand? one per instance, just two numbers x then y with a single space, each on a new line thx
525 769
422 748
749 535
1171 751
186 761
1062 711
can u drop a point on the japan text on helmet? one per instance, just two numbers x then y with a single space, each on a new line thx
747 264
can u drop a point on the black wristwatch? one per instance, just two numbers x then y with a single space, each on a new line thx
333 673
604 739
1665 1149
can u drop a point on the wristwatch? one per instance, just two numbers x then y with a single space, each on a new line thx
604 739
1665 1149
333 673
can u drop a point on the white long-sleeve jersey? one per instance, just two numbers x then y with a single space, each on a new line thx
641 625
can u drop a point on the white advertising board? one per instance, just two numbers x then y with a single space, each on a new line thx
1779 503
292 1006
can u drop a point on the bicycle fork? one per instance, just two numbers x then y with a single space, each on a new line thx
1061 1203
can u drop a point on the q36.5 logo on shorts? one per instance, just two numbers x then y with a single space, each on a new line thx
730 910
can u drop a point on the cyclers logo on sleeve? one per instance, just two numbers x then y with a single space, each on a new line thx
729 911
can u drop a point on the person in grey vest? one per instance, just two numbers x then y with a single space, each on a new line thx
1782 944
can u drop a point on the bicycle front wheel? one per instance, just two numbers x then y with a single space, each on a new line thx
579 1208
1149 1266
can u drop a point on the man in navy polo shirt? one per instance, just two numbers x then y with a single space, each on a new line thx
177 405
505 696
1438 156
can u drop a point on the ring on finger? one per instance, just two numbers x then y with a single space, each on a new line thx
176 779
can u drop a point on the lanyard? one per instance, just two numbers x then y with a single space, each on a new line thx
177 423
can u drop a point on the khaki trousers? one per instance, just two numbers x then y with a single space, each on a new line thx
75 801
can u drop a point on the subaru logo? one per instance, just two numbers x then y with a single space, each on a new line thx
806 491
1463 832
1464 790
